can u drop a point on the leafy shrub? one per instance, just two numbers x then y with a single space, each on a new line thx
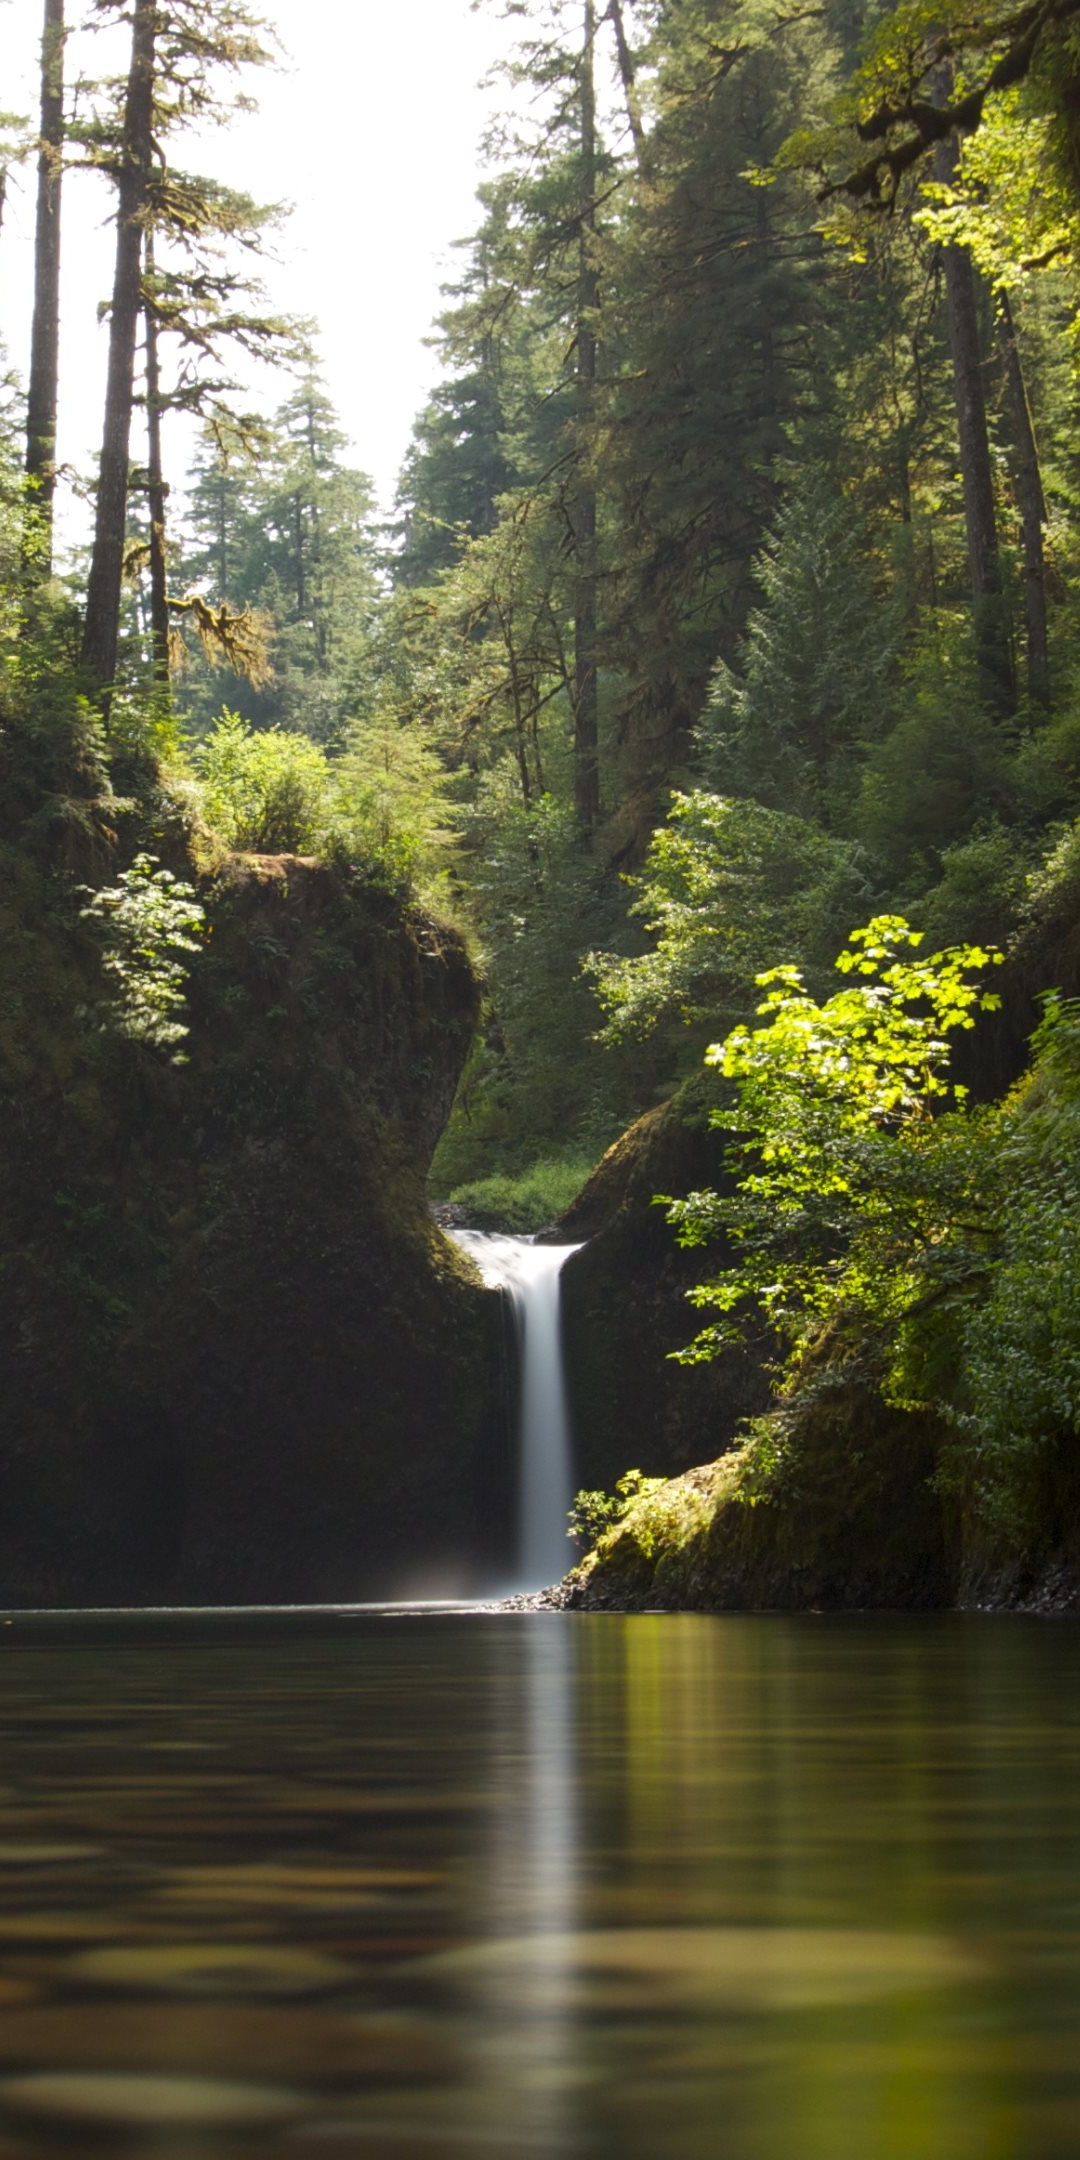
928 784
526 1203
855 1199
1046 769
390 797
726 884
981 890
269 792
148 918
595 1513
534 1068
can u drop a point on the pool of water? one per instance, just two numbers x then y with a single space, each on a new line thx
671 1888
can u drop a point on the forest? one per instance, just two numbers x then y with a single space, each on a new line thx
669 816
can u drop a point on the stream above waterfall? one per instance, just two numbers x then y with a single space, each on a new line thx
529 1274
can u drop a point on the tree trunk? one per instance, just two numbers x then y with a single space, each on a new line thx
586 767
156 490
629 84
45 333
317 581
1032 502
907 562
102 626
301 564
520 738
991 631
222 538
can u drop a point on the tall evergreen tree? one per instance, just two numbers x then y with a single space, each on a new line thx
102 621
586 704
287 533
45 330
181 52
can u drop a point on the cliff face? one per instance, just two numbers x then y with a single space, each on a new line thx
240 1363
854 1521
625 1308
850 1520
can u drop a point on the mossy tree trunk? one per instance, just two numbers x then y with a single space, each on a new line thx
45 331
102 625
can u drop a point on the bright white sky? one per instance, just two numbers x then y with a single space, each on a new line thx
372 131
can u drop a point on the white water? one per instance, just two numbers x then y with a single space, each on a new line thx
530 1273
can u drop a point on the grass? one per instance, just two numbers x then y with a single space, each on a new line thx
533 1200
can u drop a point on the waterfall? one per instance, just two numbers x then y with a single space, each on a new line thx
530 1274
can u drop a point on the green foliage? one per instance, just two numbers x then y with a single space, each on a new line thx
533 1200
280 525
1053 887
533 1086
269 793
1013 202
1021 1346
861 1194
144 725
391 791
147 920
814 686
1044 779
939 770
981 888
726 884
595 1513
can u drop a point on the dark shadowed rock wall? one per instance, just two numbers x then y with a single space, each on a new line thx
625 1308
239 1361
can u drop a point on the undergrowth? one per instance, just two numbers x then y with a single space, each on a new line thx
532 1200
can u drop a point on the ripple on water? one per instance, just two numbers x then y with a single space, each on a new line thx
731 1968
296 2041
105 2100
210 1968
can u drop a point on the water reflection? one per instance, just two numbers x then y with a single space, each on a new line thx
523 2032
672 1888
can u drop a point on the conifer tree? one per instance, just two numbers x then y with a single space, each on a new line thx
136 152
586 765
283 529
45 331
181 52
813 689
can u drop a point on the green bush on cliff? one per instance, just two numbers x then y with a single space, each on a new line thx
862 1189
268 792
595 1513
879 1216
147 919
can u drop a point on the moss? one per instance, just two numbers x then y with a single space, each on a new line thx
829 1503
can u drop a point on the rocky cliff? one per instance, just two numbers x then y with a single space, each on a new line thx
625 1307
240 1363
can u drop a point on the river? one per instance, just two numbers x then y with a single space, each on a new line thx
664 1887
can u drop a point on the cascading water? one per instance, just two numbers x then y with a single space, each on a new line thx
530 1274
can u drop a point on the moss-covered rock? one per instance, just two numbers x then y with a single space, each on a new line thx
830 1504
240 1361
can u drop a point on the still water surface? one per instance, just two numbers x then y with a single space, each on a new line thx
670 1888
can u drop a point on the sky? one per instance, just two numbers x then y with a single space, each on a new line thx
371 129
